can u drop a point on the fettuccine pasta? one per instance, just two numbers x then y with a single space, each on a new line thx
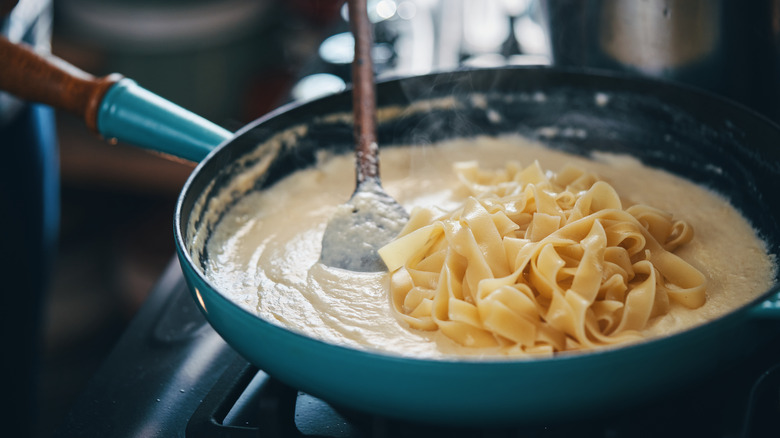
536 262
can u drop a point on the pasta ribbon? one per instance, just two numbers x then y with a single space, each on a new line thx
535 262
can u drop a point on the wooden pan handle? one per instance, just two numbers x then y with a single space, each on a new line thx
52 81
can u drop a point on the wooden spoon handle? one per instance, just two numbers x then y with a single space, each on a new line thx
52 81
363 94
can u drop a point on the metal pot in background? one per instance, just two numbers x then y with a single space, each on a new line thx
730 48
203 54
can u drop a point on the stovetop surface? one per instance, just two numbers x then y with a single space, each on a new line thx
172 375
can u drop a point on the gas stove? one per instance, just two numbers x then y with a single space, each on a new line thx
172 375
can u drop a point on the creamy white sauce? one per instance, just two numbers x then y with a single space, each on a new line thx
264 253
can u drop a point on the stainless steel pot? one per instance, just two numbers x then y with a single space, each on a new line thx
730 48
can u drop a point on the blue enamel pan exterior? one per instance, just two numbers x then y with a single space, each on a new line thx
699 136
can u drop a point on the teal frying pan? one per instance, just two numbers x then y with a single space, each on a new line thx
699 136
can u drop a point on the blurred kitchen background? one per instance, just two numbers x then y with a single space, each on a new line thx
234 60
230 61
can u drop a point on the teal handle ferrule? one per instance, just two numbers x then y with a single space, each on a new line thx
132 114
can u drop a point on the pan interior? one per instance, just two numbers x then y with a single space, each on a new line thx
723 147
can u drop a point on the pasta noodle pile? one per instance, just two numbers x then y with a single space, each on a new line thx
538 263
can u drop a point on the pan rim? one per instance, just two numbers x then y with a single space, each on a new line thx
492 361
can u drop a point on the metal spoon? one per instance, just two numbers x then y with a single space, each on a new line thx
371 217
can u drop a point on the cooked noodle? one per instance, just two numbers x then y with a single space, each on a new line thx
535 262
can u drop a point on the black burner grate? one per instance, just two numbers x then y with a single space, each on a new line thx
739 402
